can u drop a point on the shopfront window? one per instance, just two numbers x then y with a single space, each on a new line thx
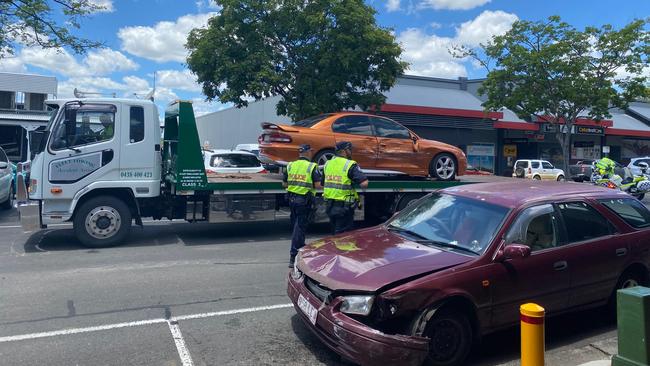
480 156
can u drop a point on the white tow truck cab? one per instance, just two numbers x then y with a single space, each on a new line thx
100 163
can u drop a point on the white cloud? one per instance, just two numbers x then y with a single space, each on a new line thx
177 79
12 64
392 5
163 42
482 28
429 54
58 61
201 5
106 4
106 61
96 63
452 4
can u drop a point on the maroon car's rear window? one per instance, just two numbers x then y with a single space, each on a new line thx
630 210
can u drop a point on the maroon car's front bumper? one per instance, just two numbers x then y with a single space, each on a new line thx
354 340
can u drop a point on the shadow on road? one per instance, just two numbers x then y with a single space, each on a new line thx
160 234
565 330
314 345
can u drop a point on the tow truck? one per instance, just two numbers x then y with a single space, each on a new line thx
101 164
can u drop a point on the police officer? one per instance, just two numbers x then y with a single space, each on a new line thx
301 180
338 176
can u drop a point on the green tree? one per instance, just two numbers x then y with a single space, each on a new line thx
318 55
552 71
32 23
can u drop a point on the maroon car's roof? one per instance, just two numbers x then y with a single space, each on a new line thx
521 191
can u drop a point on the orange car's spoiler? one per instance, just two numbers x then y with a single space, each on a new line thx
274 126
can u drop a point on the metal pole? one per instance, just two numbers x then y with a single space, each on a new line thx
532 334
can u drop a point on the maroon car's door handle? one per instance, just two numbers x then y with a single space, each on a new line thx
560 266
621 252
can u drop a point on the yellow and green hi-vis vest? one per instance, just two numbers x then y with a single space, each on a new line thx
338 186
299 177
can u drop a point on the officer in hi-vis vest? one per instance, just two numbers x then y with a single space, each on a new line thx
338 176
301 180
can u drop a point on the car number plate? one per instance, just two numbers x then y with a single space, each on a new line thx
307 308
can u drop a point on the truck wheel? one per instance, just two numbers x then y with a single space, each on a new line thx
450 335
102 222
443 167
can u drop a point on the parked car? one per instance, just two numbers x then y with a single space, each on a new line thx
538 170
457 264
635 167
229 161
255 149
581 171
251 148
6 181
379 145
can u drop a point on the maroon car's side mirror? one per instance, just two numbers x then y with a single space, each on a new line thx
513 251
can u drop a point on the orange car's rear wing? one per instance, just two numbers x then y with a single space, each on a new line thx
274 126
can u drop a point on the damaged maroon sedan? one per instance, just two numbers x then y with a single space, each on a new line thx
456 265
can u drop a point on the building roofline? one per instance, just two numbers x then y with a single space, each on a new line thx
27 74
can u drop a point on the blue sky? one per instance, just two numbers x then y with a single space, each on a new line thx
147 36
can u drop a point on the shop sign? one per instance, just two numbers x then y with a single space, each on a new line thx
583 144
510 150
588 130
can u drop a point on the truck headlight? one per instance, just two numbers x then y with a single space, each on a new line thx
357 304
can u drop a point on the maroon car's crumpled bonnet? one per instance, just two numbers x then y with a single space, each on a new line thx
367 260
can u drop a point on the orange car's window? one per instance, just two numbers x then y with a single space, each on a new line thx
389 129
354 125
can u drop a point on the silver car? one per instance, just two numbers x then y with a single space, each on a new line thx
635 164
6 181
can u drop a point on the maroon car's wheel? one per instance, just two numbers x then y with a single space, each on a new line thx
450 335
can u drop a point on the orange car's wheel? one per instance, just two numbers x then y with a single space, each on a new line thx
443 167
323 156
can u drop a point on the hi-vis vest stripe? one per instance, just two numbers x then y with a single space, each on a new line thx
338 186
299 177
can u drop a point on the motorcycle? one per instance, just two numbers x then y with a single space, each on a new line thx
635 185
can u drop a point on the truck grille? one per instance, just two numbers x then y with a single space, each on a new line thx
315 288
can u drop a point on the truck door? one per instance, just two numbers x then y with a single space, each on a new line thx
140 138
83 148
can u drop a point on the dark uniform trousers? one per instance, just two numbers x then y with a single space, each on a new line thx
341 215
301 209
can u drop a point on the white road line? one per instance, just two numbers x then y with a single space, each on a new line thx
64 332
70 331
231 312
181 347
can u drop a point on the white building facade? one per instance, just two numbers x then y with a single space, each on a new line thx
23 109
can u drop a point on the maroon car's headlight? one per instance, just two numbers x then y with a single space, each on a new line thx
357 304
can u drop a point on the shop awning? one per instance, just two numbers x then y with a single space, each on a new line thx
405 98
626 125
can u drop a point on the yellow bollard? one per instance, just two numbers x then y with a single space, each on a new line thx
532 334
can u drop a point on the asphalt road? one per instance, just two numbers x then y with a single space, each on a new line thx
181 294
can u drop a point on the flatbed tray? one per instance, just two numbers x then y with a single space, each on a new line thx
272 183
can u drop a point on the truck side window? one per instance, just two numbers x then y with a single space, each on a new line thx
83 126
136 128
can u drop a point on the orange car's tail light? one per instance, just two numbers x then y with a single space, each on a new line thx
274 137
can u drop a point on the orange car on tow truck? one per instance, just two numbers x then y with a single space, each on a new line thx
380 145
